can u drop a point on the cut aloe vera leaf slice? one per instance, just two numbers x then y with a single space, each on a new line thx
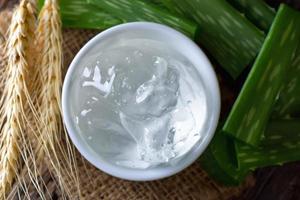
219 161
228 36
281 145
288 104
257 11
137 10
251 111
79 14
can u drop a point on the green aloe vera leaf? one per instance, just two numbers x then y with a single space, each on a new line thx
228 36
251 111
137 10
228 161
252 158
219 161
257 11
280 146
281 130
172 7
157 2
288 104
79 14
216 171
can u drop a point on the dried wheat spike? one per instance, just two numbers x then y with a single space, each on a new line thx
15 94
60 156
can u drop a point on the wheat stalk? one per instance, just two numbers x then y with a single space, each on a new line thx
15 95
49 40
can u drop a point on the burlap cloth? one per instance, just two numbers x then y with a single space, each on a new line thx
192 183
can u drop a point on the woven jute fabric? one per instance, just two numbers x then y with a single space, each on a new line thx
192 183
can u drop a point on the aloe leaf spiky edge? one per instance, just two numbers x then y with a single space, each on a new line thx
257 11
137 10
251 111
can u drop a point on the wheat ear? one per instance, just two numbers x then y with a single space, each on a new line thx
61 157
15 94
